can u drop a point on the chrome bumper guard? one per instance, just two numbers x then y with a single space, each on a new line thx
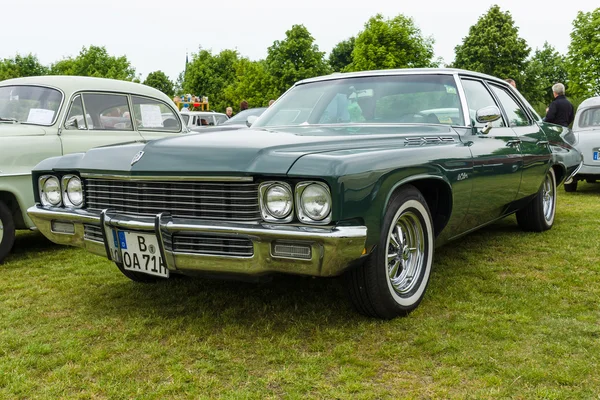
332 249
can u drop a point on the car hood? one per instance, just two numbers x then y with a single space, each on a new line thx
9 129
244 152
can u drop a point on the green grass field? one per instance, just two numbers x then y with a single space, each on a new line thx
507 315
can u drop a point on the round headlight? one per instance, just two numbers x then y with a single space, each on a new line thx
75 191
316 202
51 192
278 201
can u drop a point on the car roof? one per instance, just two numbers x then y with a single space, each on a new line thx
591 102
403 71
70 84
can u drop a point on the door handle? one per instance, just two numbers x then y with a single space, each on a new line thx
513 142
542 143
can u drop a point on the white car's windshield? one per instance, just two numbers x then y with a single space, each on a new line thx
29 104
427 99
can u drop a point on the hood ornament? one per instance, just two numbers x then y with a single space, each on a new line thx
137 157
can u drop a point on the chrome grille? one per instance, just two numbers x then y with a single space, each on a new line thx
213 245
92 232
227 201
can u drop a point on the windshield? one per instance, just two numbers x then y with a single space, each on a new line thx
421 99
240 118
29 104
590 118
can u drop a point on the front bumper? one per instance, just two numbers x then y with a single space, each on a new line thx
332 249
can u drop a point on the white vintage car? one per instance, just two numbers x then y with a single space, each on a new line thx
587 129
42 117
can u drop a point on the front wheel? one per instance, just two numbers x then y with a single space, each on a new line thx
7 231
538 215
393 280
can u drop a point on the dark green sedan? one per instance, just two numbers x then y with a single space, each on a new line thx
360 175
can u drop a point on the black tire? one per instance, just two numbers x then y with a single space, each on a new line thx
372 291
7 231
138 276
538 215
571 187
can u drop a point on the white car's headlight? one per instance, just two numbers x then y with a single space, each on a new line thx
49 186
276 201
72 191
314 202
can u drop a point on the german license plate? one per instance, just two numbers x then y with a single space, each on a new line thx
138 252
596 158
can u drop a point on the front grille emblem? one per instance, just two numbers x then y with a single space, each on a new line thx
137 157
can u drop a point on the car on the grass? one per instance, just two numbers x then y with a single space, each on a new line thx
586 128
203 119
41 117
357 174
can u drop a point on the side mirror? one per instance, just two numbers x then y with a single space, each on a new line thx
487 115
250 120
72 124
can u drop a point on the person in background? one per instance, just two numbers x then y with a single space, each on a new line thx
271 102
229 112
243 105
511 82
560 111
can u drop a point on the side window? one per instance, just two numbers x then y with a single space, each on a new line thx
221 119
107 112
516 115
479 97
75 120
154 115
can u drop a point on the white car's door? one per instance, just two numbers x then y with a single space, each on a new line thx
107 121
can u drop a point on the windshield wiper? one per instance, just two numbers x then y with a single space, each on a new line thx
13 120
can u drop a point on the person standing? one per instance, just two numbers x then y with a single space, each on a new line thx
511 82
243 105
229 112
560 111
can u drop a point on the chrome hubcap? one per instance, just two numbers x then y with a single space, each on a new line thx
405 252
548 198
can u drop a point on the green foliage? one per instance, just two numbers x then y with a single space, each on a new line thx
295 58
341 55
391 43
159 80
252 83
20 66
493 47
584 55
544 69
95 61
209 75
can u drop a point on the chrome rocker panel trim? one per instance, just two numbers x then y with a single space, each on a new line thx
332 248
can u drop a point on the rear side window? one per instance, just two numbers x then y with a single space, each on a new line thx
154 115
107 111
590 118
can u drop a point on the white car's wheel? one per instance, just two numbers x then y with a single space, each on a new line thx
7 231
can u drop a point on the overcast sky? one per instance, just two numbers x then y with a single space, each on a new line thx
156 35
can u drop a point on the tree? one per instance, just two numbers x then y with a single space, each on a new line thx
584 55
20 66
341 55
95 61
493 46
544 69
159 80
252 83
295 58
391 43
208 75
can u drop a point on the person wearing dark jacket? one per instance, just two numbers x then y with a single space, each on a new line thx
560 111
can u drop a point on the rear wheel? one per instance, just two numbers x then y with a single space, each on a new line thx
571 187
393 280
138 276
7 231
538 215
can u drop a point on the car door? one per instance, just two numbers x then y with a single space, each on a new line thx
107 121
154 118
497 160
534 145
